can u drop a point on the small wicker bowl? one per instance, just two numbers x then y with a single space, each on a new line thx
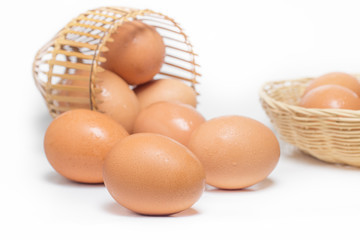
331 135
78 46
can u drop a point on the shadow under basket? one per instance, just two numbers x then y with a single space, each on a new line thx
331 135
80 44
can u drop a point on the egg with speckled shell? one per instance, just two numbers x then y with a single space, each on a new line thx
236 152
175 120
77 141
154 175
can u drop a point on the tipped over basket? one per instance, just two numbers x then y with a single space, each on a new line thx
78 46
331 135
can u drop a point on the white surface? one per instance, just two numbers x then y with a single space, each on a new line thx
241 45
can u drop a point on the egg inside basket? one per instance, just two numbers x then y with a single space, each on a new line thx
78 47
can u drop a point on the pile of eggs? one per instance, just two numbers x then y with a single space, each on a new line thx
335 90
151 148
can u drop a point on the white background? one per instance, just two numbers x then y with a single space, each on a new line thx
241 45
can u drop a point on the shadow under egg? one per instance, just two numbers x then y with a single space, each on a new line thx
256 187
57 179
117 209
186 213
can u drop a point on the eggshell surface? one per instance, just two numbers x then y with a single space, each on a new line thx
172 90
115 99
171 119
236 151
330 96
77 141
137 52
153 175
336 78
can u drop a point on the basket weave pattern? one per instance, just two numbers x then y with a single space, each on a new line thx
331 135
78 46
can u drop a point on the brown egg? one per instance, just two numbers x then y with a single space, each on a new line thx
175 120
330 96
77 141
165 90
116 99
336 78
153 175
235 151
80 96
136 54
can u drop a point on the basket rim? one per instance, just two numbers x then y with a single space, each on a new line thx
338 113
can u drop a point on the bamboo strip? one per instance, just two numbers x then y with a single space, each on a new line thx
157 21
71 76
120 10
167 29
72 88
100 14
182 68
181 50
178 77
68 99
174 39
89 26
181 59
95 36
80 55
76 44
84 18
80 66
159 16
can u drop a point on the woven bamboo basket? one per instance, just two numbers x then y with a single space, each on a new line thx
78 46
331 135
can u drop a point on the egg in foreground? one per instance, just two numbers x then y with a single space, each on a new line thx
77 141
153 175
236 151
